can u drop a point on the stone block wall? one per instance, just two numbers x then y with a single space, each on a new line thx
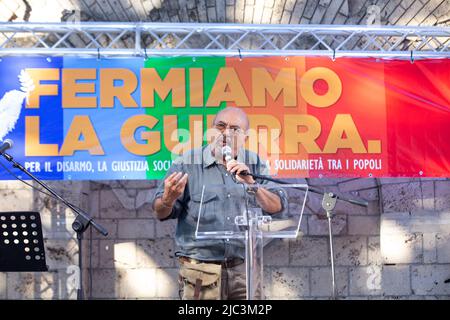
397 248
383 12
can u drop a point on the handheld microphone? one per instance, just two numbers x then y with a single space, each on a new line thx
7 144
226 151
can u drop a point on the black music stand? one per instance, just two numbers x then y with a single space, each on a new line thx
80 225
21 242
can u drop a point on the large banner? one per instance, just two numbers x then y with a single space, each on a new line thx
129 118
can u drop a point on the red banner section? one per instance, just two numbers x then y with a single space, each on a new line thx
418 117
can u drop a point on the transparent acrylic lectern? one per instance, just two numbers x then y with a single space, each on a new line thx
236 217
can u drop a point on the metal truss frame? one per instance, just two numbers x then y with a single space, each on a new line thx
189 39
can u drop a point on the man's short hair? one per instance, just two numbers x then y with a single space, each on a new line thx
238 110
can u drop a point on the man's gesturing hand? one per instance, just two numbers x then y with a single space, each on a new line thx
173 188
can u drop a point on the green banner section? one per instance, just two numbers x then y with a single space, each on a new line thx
163 108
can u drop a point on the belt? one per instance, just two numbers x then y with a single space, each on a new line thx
228 263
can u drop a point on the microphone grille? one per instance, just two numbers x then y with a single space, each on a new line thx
9 141
226 151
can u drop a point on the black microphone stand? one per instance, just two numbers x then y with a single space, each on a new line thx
81 223
262 177
328 204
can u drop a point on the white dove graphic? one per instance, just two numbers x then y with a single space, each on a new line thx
11 104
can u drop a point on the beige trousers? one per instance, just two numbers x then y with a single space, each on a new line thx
208 281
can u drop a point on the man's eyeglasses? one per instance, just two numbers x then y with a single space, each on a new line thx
222 126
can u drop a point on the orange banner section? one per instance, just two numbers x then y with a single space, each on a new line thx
315 116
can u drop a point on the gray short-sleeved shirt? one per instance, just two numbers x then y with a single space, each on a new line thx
220 205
